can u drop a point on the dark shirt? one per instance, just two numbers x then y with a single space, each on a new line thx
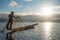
11 17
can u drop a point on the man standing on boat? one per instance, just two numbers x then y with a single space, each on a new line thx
10 21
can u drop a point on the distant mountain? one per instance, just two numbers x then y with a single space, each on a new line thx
32 18
26 18
3 17
55 18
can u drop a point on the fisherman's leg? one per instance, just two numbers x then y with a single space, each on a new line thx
7 26
11 25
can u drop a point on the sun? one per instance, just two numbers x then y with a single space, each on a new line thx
46 11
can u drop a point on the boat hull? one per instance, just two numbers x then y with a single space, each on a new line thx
23 28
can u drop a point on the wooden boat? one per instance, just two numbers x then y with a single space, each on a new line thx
23 28
13 30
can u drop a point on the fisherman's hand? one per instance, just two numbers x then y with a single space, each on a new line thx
17 17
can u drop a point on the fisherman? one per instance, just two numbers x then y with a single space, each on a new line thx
10 21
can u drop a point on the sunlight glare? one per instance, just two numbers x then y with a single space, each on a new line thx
47 26
47 29
46 11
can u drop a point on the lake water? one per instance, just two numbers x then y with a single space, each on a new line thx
43 31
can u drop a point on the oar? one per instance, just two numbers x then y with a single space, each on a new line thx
3 29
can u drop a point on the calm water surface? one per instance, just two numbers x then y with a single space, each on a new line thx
43 31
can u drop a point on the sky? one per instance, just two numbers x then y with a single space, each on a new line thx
28 6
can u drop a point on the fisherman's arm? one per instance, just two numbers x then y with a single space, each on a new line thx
16 17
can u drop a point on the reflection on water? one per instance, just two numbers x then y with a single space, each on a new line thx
43 31
47 27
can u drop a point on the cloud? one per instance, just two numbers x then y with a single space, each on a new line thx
14 4
58 7
28 0
4 12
